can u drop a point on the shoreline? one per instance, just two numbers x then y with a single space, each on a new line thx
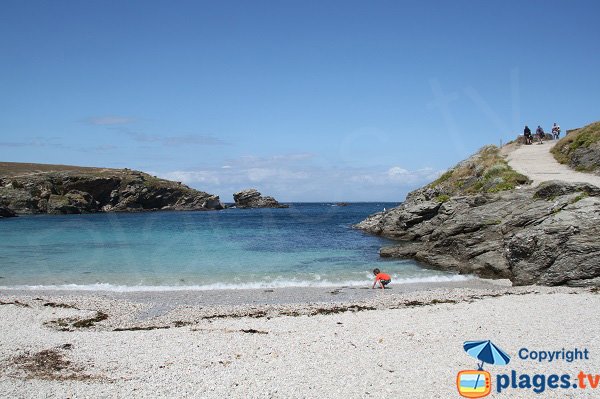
265 296
119 311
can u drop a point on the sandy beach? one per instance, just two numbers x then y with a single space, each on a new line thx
347 342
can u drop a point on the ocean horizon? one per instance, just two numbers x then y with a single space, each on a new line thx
306 245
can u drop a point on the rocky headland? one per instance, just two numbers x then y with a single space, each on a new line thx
251 198
59 189
482 217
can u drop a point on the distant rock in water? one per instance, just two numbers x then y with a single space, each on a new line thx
251 198
6 213
59 189
546 235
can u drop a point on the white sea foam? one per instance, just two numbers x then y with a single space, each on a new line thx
234 286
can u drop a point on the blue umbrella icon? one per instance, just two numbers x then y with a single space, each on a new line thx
487 352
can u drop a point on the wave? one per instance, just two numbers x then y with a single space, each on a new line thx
234 286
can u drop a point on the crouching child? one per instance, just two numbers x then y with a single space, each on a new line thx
382 278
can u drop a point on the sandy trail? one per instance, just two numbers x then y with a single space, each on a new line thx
536 162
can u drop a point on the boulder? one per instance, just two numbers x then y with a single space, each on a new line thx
251 198
6 213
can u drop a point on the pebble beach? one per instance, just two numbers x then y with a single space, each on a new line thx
344 342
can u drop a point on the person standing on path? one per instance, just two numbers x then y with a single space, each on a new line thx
555 131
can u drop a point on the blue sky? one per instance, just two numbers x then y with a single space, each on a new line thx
306 101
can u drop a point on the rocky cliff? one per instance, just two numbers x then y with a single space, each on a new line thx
580 149
251 198
58 189
545 235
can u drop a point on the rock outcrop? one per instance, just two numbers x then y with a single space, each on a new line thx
6 213
55 189
251 198
545 235
580 149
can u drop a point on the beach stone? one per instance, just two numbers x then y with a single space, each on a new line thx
251 198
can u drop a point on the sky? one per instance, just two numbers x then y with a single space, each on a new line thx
303 100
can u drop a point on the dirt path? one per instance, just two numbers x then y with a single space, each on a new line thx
536 162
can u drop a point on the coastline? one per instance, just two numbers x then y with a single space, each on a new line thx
200 295
205 344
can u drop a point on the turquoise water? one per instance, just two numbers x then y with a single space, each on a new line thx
304 245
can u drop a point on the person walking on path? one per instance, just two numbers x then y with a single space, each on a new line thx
527 135
555 131
539 132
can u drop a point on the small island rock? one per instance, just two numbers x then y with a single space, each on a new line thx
251 198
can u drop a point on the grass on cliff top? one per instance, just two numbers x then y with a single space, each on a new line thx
583 137
485 172
19 168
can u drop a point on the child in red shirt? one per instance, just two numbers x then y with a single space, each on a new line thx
383 278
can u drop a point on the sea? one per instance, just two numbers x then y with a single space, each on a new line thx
305 245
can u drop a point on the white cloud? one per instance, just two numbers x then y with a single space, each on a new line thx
293 157
249 161
395 175
109 120
259 174
262 174
171 141
191 177
295 177
117 124
54 142
397 171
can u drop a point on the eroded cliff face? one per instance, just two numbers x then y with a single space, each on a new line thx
87 190
547 235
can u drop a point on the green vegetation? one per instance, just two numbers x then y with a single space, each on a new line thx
578 141
445 176
442 198
19 168
485 172
579 197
